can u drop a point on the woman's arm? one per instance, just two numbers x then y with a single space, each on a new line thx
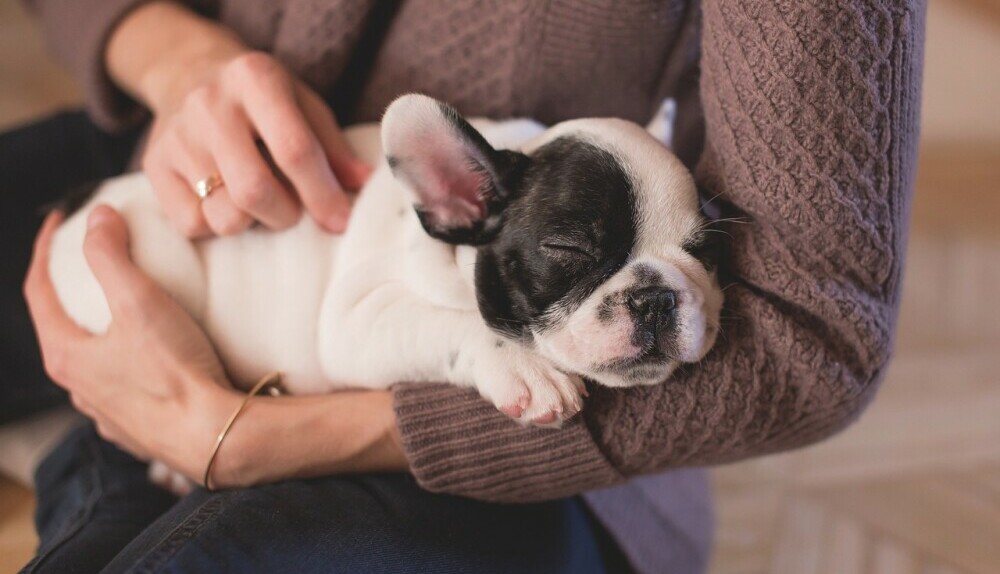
811 112
299 437
78 32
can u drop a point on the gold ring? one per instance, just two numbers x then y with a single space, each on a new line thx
203 187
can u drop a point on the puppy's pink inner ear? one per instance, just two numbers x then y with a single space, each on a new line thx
449 179
452 212
456 194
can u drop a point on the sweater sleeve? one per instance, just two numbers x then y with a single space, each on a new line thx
811 114
77 32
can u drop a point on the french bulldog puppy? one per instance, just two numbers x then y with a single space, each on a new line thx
504 256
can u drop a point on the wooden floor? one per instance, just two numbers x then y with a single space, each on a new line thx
914 487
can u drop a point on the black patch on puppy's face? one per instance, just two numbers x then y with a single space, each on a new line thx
570 227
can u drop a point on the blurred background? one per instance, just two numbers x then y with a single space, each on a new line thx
914 487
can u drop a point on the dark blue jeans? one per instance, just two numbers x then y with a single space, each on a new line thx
98 512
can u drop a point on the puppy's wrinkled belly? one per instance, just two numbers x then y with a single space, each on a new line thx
257 295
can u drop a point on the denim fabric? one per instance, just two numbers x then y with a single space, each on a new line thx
98 513
93 499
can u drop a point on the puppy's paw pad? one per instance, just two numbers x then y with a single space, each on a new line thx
527 387
513 411
509 395
546 419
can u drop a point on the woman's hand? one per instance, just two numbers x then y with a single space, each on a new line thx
154 385
213 100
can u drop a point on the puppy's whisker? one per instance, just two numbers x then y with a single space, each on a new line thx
737 220
714 197
719 231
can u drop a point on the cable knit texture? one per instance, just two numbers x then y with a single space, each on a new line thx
807 129
802 116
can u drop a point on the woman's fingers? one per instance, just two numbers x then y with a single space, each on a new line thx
114 434
105 428
224 217
250 184
176 195
273 107
106 248
351 172
102 413
58 335
215 132
189 149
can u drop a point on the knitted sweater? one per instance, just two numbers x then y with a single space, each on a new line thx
798 118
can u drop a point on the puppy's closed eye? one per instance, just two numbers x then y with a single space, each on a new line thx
563 251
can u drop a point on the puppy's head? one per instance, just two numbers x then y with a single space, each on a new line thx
591 247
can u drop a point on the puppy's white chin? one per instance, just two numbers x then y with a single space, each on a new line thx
564 349
615 380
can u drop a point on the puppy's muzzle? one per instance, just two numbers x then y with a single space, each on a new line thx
655 312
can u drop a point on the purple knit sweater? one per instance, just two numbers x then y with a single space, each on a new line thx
798 117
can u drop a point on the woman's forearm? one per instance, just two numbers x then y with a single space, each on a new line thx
305 436
161 50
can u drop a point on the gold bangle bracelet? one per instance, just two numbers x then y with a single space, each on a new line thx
270 383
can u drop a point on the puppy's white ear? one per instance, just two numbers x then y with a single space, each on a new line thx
661 126
460 182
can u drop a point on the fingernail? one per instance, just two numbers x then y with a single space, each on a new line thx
98 217
356 173
363 169
338 221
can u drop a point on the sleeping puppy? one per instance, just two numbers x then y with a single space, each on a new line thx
511 258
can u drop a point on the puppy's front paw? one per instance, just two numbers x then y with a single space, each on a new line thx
527 387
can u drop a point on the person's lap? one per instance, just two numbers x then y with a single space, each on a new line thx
92 500
97 510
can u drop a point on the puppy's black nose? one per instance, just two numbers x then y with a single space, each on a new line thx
653 307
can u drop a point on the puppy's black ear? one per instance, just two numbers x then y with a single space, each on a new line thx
461 183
